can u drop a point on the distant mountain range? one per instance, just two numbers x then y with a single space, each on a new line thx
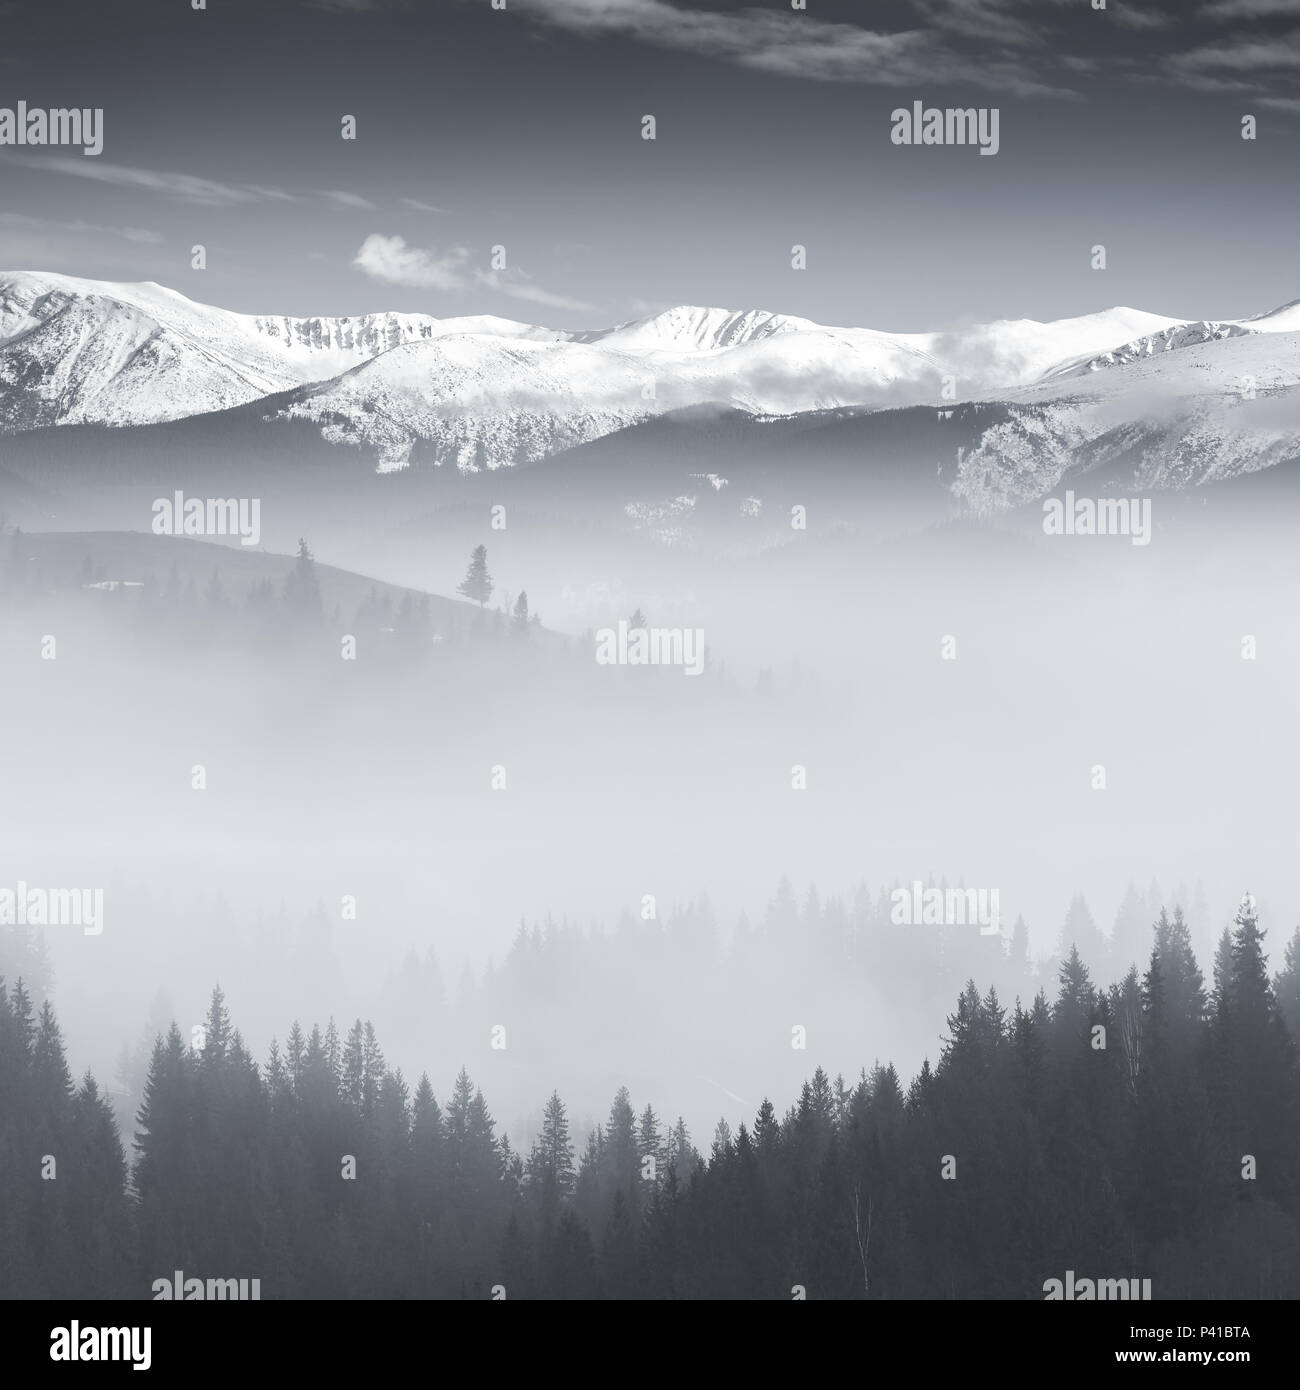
1153 401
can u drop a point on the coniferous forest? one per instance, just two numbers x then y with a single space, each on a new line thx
1148 1128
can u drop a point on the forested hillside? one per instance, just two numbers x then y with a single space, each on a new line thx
1144 1129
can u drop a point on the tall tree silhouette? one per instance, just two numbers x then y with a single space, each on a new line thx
477 584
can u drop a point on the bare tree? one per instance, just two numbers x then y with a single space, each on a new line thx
864 1241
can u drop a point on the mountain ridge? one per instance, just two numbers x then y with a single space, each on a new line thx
481 391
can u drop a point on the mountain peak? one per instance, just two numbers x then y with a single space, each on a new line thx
698 327
78 351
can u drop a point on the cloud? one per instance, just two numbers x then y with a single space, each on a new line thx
1022 48
1251 9
187 187
390 259
521 288
786 43
140 235
276 194
1239 65
1246 55
419 206
1132 18
347 200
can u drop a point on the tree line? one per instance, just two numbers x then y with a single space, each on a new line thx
1145 1129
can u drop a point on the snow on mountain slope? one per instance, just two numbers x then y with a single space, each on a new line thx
484 391
1009 352
1216 407
1015 352
1285 319
1167 340
482 401
1180 335
74 351
689 326
475 400
495 403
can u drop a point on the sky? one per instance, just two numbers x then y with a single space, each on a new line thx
522 128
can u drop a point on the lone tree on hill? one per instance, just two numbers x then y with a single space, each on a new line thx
477 584
301 588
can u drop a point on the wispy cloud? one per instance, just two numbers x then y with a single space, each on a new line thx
1021 48
1132 17
347 200
390 259
786 43
1251 9
273 194
740 1100
419 206
187 187
141 235
1244 55
519 286
1243 64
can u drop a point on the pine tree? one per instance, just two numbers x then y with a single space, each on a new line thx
352 1086
649 1140
1018 959
1128 937
1081 935
1256 1058
550 1165
721 1141
294 1052
477 585
301 587
1286 987
1074 1003
375 1071
216 1031
1184 985
50 1074
680 1152
620 1153
767 1129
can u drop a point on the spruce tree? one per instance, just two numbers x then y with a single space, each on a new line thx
477 585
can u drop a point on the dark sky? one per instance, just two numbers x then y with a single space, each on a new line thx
522 127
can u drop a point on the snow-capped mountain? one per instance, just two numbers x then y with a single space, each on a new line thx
476 400
86 351
1167 340
483 400
484 391
1210 402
